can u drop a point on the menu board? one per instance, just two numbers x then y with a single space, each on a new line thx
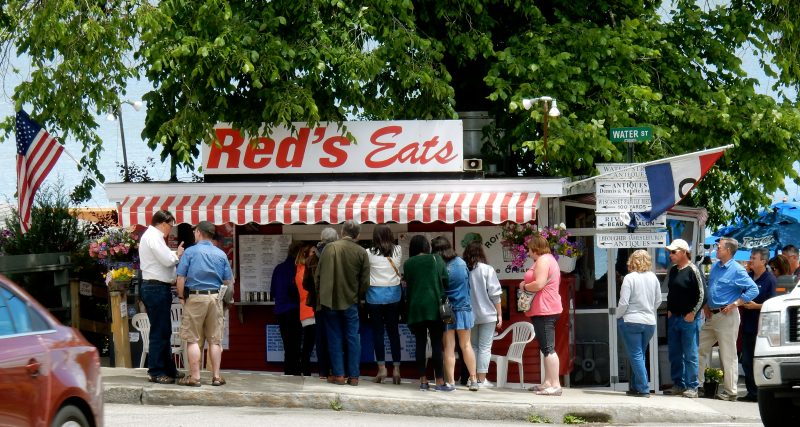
258 256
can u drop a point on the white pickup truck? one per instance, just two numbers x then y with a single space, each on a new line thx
776 366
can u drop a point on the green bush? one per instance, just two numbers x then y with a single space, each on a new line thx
53 229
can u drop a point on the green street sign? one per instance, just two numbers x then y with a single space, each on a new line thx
640 134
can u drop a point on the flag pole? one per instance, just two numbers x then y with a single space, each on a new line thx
78 163
651 162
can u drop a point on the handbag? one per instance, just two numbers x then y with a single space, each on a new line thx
446 312
524 300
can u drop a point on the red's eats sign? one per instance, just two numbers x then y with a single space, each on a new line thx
386 146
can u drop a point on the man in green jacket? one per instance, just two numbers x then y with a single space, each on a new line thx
343 277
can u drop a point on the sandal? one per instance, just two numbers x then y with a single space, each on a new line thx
550 391
189 381
162 379
218 381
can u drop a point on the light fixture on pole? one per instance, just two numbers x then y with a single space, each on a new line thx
549 109
116 113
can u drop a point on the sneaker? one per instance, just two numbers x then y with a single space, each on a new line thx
424 387
473 385
444 387
749 398
674 391
485 384
691 394
635 393
725 396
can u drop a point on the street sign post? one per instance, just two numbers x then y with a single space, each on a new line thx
634 134
617 188
622 204
631 240
622 171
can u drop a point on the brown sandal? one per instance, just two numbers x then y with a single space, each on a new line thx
218 381
189 381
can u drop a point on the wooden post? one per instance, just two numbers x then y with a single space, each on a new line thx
119 329
75 303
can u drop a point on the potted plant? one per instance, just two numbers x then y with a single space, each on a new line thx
119 279
517 236
713 376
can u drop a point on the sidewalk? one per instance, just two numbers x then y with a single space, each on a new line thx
251 388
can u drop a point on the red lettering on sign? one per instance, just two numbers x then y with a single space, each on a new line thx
230 141
258 155
297 146
331 147
384 156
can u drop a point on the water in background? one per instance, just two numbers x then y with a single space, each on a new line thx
66 169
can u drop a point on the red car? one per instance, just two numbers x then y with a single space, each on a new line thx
49 373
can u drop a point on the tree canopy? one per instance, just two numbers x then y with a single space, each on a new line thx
673 65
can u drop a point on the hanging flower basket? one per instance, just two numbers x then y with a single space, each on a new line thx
119 279
567 263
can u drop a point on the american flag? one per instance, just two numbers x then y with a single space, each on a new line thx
37 153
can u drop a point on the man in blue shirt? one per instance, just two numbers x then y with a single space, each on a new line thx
766 283
729 286
202 270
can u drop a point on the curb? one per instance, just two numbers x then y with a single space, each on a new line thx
621 413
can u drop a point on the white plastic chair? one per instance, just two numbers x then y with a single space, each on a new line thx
141 322
176 343
522 334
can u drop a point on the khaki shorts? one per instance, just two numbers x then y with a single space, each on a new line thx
202 317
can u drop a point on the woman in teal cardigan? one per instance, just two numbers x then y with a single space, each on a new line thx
426 278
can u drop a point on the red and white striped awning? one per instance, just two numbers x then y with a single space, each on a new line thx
494 207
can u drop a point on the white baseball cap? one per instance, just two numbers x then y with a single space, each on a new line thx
678 244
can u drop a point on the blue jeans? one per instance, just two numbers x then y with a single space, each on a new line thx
343 325
385 317
157 299
636 336
682 339
321 345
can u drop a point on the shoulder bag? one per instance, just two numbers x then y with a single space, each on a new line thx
445 309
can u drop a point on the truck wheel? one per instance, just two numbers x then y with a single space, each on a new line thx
70 416
775 411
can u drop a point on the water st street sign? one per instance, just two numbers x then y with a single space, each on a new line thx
610 221
631 240
642 133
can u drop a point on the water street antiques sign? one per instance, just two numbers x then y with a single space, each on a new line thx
374 146
631 240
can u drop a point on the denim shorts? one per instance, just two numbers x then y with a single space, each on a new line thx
545 328
463 320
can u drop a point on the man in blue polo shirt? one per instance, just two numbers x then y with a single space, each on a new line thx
202 270
729 286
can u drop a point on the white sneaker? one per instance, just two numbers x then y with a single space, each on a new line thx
485 384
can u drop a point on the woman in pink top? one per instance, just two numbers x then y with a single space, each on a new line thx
544 278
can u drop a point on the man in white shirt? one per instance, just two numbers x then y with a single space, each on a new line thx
157 263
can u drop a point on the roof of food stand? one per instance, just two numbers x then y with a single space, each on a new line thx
379 201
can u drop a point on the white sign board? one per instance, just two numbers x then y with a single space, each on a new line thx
631 240
621 187
625 171
85 289
258 256
623 204
609 221
372 146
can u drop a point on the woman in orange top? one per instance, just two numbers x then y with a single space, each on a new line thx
306 312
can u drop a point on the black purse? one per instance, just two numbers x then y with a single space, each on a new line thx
445 309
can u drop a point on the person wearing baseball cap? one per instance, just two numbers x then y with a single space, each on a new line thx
685 299
202 270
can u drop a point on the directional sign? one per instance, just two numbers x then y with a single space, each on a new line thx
641 133
612 188
609 221
629 171
622 204
631 240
